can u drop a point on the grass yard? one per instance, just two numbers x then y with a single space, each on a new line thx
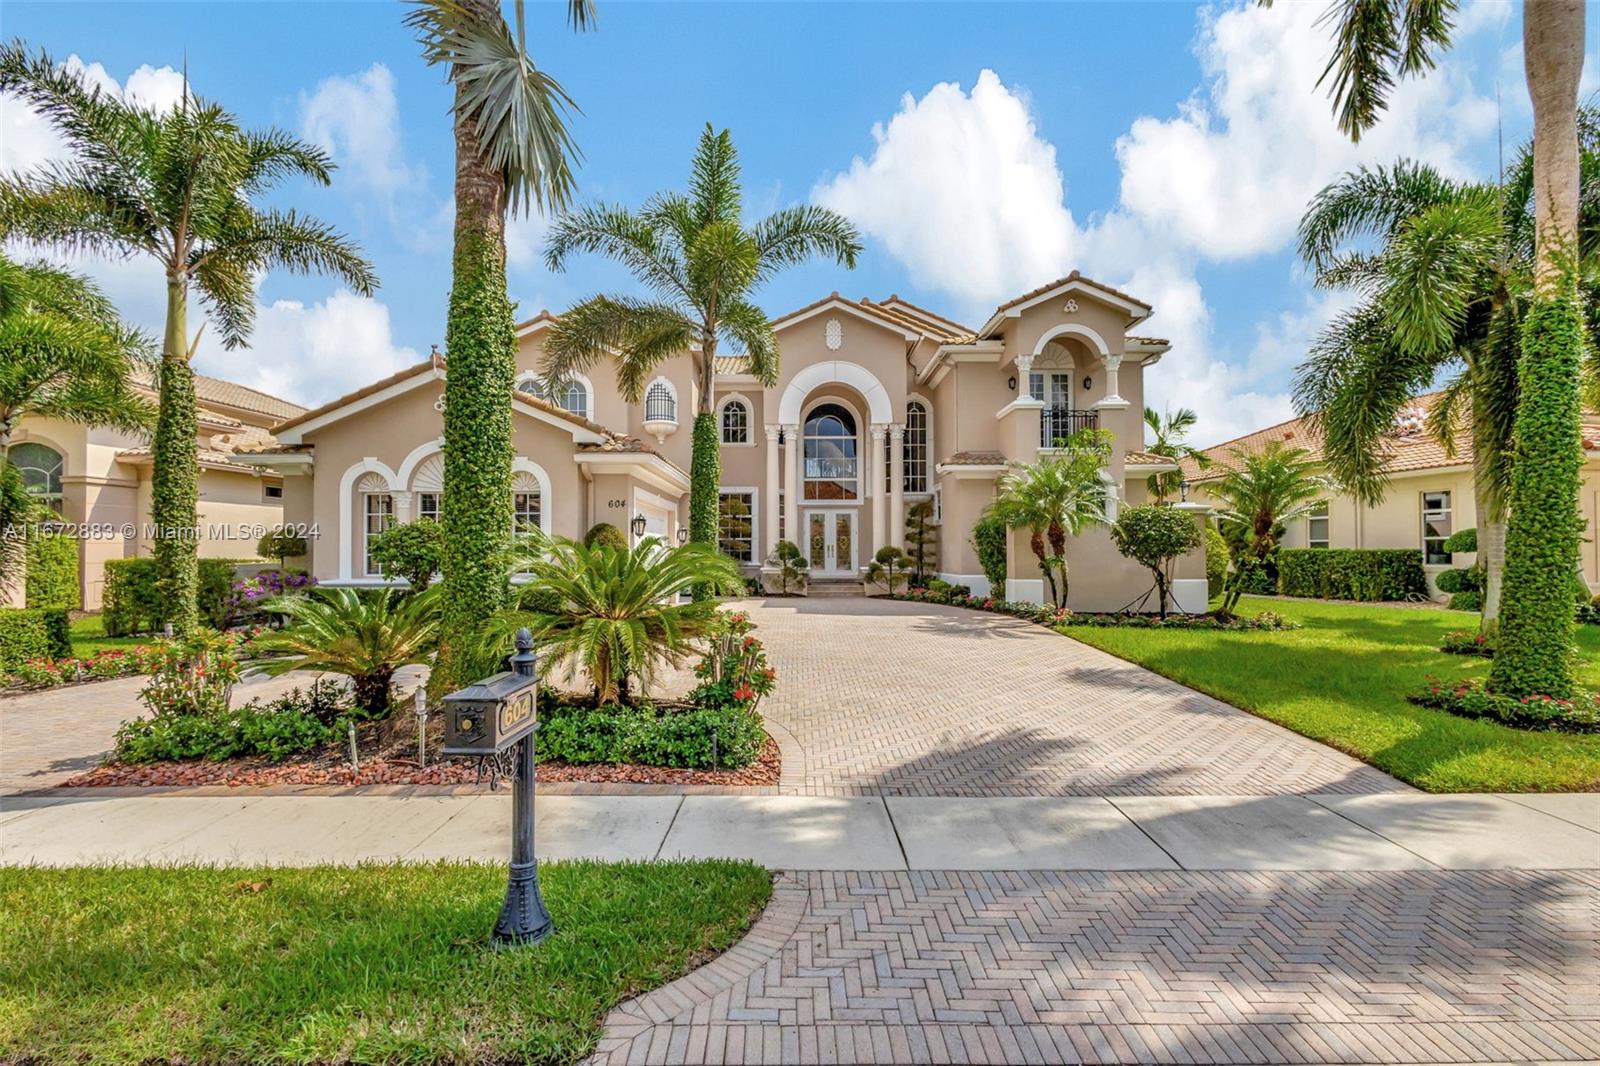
336 964
1343 679
89 636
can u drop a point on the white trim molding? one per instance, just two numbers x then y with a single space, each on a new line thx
347 493
1075 329
832 372
749 419
523 465
296 434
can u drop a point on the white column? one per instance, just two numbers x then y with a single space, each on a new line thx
769 503
1024 365
402 506
897 485
791 485
875 476
1112 398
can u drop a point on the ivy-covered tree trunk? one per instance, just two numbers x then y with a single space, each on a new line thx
705 459
480 339
174 492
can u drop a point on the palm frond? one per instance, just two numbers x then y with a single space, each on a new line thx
714 179
617 233
795 234
640 334
747 326
1367 202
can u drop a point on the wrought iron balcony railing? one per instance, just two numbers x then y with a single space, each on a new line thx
1058 423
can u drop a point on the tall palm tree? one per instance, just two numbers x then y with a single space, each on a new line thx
1377 41
1260 495
1445 272
178 187
701 265
513 153
1055 498
1166 438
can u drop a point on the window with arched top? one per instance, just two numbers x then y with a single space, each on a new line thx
41 468
830 454
377 515
735 422
527 505
572 397
660 402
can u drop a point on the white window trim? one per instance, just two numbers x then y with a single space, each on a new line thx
1448 512
347 494
749 420
863 453
1327 517
524 465
927 444
673 390
367 534
574 378
754 493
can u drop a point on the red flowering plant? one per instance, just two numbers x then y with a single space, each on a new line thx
102 665
1464 642
1469 698
734 669
194 674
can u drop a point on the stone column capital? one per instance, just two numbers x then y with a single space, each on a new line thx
773 430
879 429
897 431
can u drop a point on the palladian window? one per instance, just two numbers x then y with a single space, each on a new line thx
831 455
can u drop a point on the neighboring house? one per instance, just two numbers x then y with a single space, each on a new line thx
878 405
98 479
1429 496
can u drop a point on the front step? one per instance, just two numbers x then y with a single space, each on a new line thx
836 587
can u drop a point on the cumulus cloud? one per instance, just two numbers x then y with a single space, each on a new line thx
356 120
26 140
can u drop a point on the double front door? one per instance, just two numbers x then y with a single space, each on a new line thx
831 543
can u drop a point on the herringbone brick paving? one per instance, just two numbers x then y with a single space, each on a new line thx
883 697
1419 966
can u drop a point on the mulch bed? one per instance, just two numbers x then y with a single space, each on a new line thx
332 767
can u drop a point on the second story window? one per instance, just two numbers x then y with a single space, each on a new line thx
572 397
916 447
830 454
735 423
660 404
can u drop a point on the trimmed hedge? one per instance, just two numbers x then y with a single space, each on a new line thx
700 738
1216 563
52 572
132 603
1365 574
33 633
989 540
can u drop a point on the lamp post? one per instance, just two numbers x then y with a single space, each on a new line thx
524 919
420 698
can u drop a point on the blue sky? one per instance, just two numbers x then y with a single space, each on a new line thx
982 148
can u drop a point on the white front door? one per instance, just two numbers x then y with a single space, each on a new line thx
831 543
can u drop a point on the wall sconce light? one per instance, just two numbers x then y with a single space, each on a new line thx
1088 382
1183 491
1011 383
683 535
638 525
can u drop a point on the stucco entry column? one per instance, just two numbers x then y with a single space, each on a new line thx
875 466
791 484
897 485
769 505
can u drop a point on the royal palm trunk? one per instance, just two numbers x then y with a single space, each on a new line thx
480 339
705 459
174 492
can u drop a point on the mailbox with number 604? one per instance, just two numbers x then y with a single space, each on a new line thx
490 716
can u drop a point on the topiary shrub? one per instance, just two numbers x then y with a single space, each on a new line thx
1466 601
33 633
605 535
1216 563
989 540
791 563
51 572
1154 537
889 566
1462 540
1452 581
282 545
131 601
412 550
1365 574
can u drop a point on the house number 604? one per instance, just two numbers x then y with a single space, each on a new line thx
616 504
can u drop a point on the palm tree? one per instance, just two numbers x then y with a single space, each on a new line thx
1445 272
1375 42
700 264
1057 497
1263 493
177 187
365 635
616 613
1169 431
513 152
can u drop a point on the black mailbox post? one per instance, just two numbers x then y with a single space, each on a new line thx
486 719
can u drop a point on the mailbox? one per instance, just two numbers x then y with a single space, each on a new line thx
492 715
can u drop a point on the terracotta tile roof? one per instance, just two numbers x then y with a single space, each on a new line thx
1074 276
1148 340
916 319
1147 459
273 449
975 459
229 394
732 364
950 325
212 457
434 360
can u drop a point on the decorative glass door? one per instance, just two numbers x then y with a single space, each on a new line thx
831 543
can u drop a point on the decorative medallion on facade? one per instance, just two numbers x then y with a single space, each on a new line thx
438 405
1072 305
833 335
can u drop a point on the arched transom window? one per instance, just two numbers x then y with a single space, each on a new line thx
41 468
573 396
660 402
735 422
831 454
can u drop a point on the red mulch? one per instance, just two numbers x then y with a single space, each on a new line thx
400 768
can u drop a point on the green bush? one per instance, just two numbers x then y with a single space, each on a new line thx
52 572
282 545
1457 581
1155 536
606 535
1260 579
989 539
275 731
1462 540
1216 563
699 738
1466 601
412 550
1367 574
131 601
33 633
1469 699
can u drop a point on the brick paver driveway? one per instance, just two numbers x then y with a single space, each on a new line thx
887 697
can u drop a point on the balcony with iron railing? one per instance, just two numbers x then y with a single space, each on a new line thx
1059 422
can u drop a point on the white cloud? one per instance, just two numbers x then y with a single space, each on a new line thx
356 119
963 191
26 139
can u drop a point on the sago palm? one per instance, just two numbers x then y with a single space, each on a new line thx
617 614
1055 498
1166 438
179 187
700 265
1259 497
1377 41
513 152
364 634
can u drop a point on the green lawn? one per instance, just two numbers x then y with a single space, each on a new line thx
1343 678
89 636
332 964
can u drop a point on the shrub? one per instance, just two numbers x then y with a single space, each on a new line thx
1259 578
699 738
1454 581
1589 613
1154 537
605 535
132 601
734 669
1462 540
1466 601
216 592
251 598
1367 574
282 545
412 550
52 572
33 633
1465 642
190 675
989 540
792 567
292 723
47 672
888 567
1216 563
1470 699
940 587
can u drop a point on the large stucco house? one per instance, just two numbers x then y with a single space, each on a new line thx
880 404
1430 492
97 479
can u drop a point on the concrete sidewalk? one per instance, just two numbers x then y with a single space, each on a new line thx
1309 833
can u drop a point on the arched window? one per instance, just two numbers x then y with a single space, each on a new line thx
574 397
660 402
735 422
41 469
377 515
830 451
915 446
